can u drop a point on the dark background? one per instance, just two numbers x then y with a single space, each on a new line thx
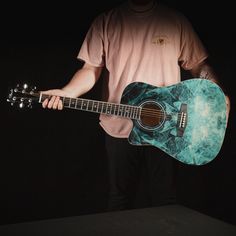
53 164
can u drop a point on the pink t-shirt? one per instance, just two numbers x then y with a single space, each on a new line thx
145 46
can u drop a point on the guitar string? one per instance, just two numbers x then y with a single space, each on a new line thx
143 111
127 113
130 110
130 114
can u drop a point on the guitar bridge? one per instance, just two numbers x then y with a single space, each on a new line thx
182 120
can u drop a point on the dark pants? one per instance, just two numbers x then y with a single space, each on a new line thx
140 176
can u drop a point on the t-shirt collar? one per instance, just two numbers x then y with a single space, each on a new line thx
141 9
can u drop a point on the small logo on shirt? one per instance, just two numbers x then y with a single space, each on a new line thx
159 40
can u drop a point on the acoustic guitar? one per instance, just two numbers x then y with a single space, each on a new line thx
186 120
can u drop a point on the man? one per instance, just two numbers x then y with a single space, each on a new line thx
140 40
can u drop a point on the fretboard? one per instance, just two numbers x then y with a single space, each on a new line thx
123 110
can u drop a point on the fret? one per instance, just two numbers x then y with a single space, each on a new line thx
136 112
95 106
121 108
76 103
108 109
127 110
113 107
81 104
117 109
73 103
131 112
90 106
139 113
87 105
124 111
66 104
102 107
84 104
99 107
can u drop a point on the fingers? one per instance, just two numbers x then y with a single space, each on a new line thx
45 103
53 102
57 104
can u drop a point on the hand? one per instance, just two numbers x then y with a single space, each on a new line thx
54 101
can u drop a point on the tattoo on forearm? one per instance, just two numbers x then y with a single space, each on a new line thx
205 75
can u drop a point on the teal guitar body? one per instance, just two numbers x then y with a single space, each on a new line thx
186 120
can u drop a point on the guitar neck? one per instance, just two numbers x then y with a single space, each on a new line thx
122 110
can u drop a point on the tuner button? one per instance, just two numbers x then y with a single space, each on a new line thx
21 105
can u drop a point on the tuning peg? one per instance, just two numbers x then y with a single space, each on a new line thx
21 105
25 86
10 93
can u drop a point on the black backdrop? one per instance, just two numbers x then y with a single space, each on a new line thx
53 164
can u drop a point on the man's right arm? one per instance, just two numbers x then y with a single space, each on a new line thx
82 81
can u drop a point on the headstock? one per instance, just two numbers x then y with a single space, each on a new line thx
22 96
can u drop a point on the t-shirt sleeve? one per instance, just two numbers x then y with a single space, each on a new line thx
192 51
92 49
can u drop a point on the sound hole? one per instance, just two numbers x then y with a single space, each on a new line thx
152 115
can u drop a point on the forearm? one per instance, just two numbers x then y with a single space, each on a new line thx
82 81
205 71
